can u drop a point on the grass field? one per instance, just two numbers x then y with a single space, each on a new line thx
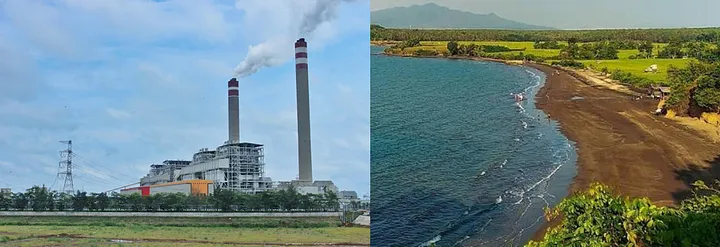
103 231
245 222
635 66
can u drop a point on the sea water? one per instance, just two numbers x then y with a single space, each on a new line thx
455 160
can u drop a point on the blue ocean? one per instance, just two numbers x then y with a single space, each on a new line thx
455 160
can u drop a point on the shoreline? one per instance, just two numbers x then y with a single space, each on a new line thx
616 137
588 77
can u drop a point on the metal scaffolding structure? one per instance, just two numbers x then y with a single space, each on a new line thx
66 166
246 171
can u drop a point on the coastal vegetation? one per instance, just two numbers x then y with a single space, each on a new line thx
696 86
684 59
41 199
598 217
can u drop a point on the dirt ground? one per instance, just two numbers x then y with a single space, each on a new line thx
622 144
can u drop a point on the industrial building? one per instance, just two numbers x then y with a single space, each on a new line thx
194 187
240 166
5 191
235 165
350 195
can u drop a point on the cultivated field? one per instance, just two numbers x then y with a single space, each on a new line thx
635 66
127 231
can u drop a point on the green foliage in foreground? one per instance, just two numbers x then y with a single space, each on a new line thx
597 217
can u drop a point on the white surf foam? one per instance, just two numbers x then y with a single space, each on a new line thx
431 241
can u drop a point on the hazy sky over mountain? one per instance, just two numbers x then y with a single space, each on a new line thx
577 14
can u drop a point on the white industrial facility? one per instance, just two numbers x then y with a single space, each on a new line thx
240 166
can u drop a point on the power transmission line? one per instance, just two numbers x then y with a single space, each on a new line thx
94 166
121 187
67 165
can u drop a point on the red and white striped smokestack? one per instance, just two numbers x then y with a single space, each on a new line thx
233 112
303 111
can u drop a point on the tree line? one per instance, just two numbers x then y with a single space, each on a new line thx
599 50
711 35
616 44
42 199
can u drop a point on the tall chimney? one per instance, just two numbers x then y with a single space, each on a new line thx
233 112
303 111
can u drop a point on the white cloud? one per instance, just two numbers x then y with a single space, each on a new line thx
134 91
117 114
16 66
43 25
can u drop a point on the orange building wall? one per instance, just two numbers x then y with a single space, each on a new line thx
197 187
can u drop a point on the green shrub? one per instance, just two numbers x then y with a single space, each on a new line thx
569 63
422 52
495 48
597 217
629 78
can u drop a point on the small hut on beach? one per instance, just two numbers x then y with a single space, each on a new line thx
659 92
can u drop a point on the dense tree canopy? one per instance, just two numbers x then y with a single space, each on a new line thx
598 50
698 83
623 35
597 217
672 51
41 199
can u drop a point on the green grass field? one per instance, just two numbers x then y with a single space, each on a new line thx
244 222
97 231
635 66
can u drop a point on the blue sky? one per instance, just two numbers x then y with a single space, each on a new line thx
135 82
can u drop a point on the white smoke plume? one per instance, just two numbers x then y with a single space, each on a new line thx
278 50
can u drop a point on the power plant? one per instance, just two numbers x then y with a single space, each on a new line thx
240 166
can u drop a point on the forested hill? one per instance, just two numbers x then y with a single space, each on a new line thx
435 16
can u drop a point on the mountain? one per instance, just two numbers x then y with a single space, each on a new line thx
432 15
